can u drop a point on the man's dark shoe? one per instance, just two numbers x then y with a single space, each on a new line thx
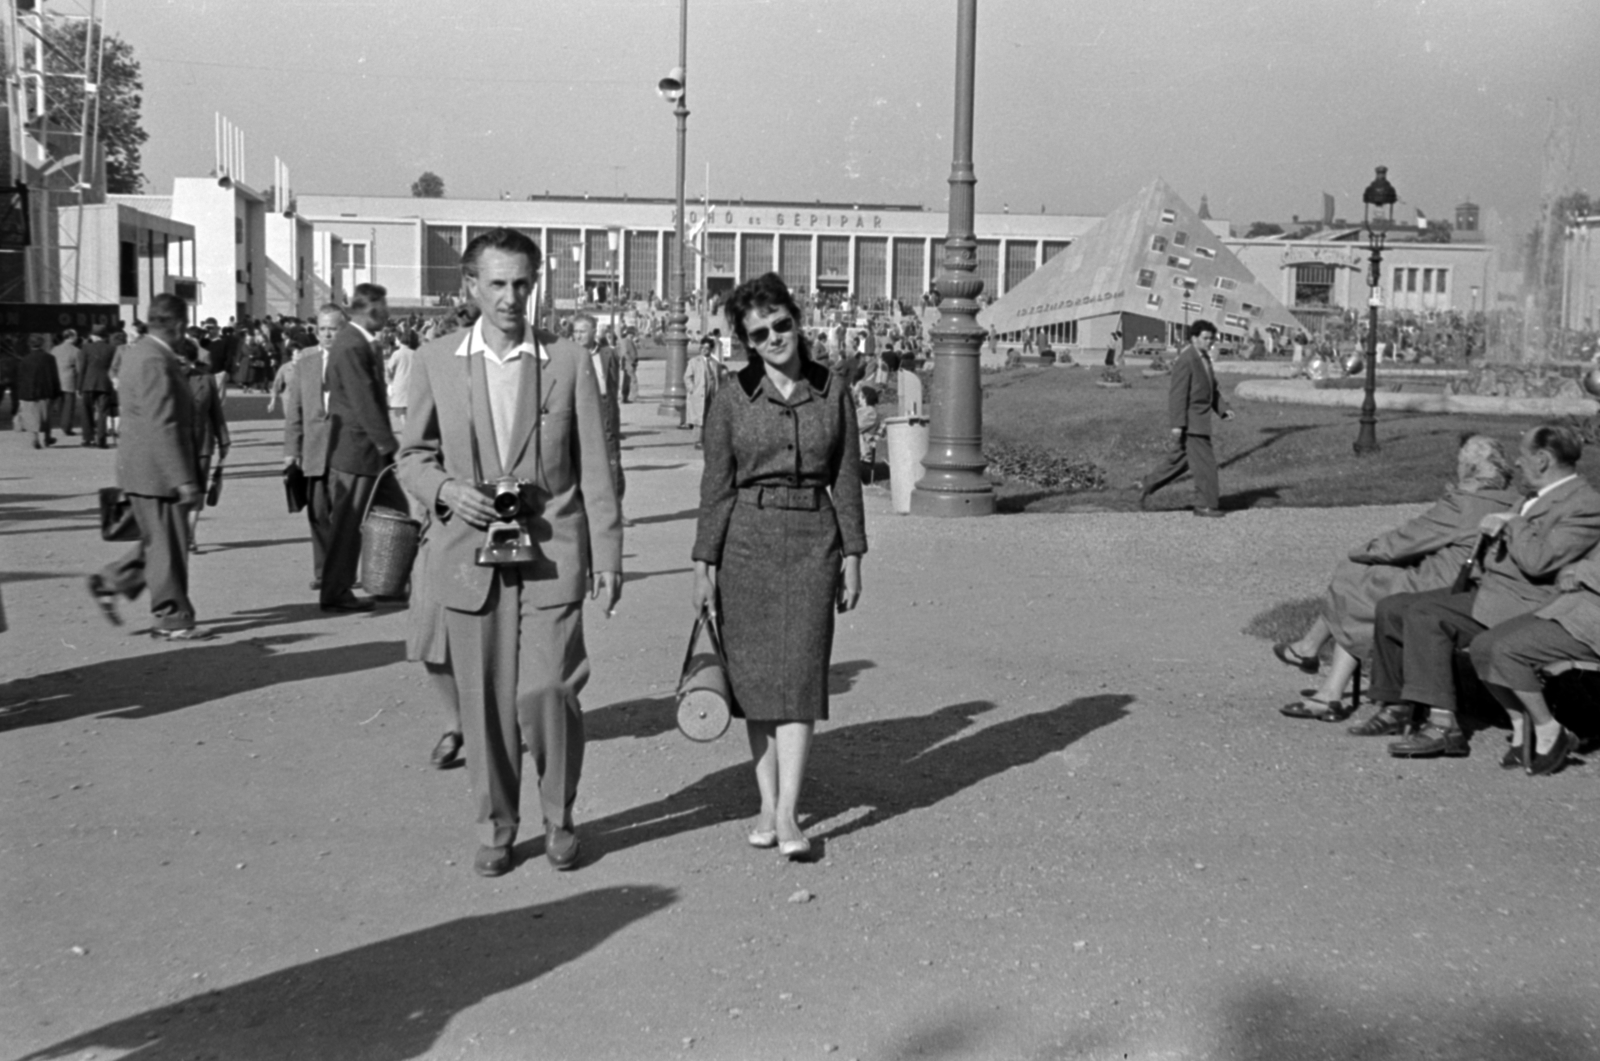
316 584
492 861
1517 752
348 604
1432 740
1210 513
1554 759
561 847
1390 721
447 751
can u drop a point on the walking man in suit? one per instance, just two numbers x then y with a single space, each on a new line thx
156 469
94 380
507 404
1416 634
628 351
305 433
360 442
608 375
66 354
1192 397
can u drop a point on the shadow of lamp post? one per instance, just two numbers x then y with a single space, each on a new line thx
1377 215
953 483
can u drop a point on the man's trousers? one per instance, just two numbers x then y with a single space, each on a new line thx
348 494
518 671
1196 457
1415 636
1510 655
159 560
319 513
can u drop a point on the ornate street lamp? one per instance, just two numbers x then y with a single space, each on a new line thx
674 397
953 483
1377 215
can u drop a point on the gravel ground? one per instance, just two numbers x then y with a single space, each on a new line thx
1059 817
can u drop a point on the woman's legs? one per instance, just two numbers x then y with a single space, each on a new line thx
779 751
1311 642
1339 674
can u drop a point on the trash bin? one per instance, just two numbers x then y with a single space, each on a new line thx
908 444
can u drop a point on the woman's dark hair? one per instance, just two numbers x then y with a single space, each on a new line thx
765 293
869 395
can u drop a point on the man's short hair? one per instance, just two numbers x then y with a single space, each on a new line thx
576 317
507 240
365 295
69 335
1199 328
330 307
169 307
1560 441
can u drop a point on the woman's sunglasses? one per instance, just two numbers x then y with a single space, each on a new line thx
759 336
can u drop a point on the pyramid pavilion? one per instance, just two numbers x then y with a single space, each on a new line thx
1148 268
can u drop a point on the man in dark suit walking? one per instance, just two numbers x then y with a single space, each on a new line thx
306 428
628 353
156 469
360 442
608 374
94 381
1191 399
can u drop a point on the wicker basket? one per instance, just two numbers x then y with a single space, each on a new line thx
388 549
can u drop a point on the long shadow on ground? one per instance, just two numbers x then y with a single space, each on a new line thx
890 767
161 682
383 1002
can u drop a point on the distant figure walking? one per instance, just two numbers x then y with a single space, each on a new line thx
1192 396
38 385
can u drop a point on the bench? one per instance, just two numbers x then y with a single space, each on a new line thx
1571 688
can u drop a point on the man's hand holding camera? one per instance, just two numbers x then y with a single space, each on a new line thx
468 502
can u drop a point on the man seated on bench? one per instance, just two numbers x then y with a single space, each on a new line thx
1510 656
1416 634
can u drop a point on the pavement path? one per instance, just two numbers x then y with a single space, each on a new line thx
1058 812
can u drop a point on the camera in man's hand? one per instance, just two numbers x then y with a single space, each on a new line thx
507 540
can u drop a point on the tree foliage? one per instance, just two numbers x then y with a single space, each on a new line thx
428 186
122 135
1258 229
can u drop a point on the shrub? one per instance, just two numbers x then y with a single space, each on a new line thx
1041 467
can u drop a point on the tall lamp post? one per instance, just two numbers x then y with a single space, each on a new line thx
953 483
1377 215
674 397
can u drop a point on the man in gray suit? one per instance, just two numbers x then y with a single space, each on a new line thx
1192 397
66 354
608 376
306 431
156 469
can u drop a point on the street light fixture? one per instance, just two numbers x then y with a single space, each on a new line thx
673 89
1377 215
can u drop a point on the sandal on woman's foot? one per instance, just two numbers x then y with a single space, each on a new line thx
1318 710
1286 654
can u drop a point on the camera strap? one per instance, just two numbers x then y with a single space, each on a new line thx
538 414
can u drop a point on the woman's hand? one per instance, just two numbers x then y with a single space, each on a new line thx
704 594
850 585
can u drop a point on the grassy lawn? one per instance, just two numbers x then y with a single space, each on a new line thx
1270 454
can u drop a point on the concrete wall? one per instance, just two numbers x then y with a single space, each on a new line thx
230 245
161 247
1465 267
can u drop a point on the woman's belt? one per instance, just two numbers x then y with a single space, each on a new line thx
803 498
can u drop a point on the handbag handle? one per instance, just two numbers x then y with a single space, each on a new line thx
372 497
705 620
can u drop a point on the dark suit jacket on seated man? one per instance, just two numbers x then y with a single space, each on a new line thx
306 430
360 442
156 469
1417 634
504 401
1192 397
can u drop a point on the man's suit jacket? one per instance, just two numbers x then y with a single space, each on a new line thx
306 427
155 451
1579 611
577 524
37 379
1520 569
94 367
66 355
610 401
628 350
1193 394
360 440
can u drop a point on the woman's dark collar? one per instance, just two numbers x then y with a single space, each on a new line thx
816 375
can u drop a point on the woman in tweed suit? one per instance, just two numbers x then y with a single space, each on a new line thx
779 543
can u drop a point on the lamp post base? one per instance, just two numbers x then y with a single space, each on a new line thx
948 505
672 409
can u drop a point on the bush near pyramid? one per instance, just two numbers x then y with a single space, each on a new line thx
1149 265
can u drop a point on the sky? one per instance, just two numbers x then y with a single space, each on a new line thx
1261 105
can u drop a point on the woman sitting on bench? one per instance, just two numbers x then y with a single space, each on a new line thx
1422 554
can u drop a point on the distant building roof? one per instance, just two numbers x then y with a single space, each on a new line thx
159 205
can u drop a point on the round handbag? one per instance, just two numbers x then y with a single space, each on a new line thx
388 546
704 703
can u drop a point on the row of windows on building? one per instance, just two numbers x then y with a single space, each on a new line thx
884 266
1433 280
